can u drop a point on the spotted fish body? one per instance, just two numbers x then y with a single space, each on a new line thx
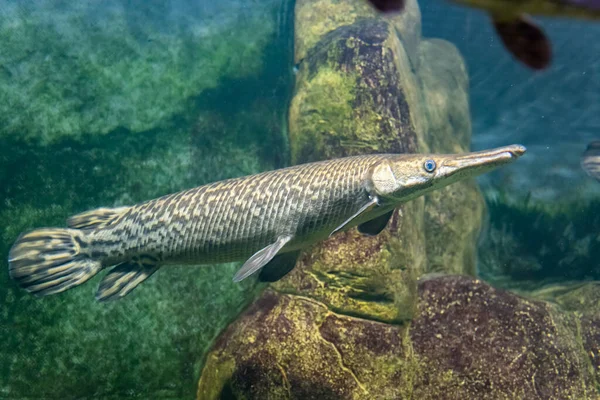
232 219
265 219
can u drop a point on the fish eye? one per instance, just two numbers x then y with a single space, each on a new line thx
429 165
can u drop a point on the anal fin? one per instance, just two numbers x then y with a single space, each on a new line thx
279 266
125 277
525 40
95 219
260 258
376 225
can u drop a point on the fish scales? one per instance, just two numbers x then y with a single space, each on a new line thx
228 220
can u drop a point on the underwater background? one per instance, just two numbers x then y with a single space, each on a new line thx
112 103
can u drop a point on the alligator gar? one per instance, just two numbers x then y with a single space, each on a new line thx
265 219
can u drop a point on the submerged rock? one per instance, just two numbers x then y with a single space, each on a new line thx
350 99
364 88
467 341
480 342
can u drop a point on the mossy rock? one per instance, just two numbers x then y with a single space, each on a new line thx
316 18
368 277
582 299
288 347
350 100
454 214
468 340
481 342
357 93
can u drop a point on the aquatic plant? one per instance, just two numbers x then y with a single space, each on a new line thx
530 243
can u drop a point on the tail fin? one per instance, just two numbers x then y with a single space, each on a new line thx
50 261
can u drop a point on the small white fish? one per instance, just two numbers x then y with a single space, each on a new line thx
590 160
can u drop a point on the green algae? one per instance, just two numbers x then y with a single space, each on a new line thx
323 103
529 245
64 75
152 343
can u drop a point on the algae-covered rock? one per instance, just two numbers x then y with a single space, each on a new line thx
70 69
453 215
480 342
288 347
358 92
467 341
350 100
316 18
583 300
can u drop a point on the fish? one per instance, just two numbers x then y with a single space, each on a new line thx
524 39
590 160
264 219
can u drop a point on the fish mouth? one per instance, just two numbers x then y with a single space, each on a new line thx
482 161
514 150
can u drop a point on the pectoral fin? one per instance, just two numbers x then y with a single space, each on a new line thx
525 40
279 267
375 226
123 278
366 208
260 259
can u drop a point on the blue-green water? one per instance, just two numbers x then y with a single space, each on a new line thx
108 104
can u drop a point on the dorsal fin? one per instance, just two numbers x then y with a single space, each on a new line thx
95 219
